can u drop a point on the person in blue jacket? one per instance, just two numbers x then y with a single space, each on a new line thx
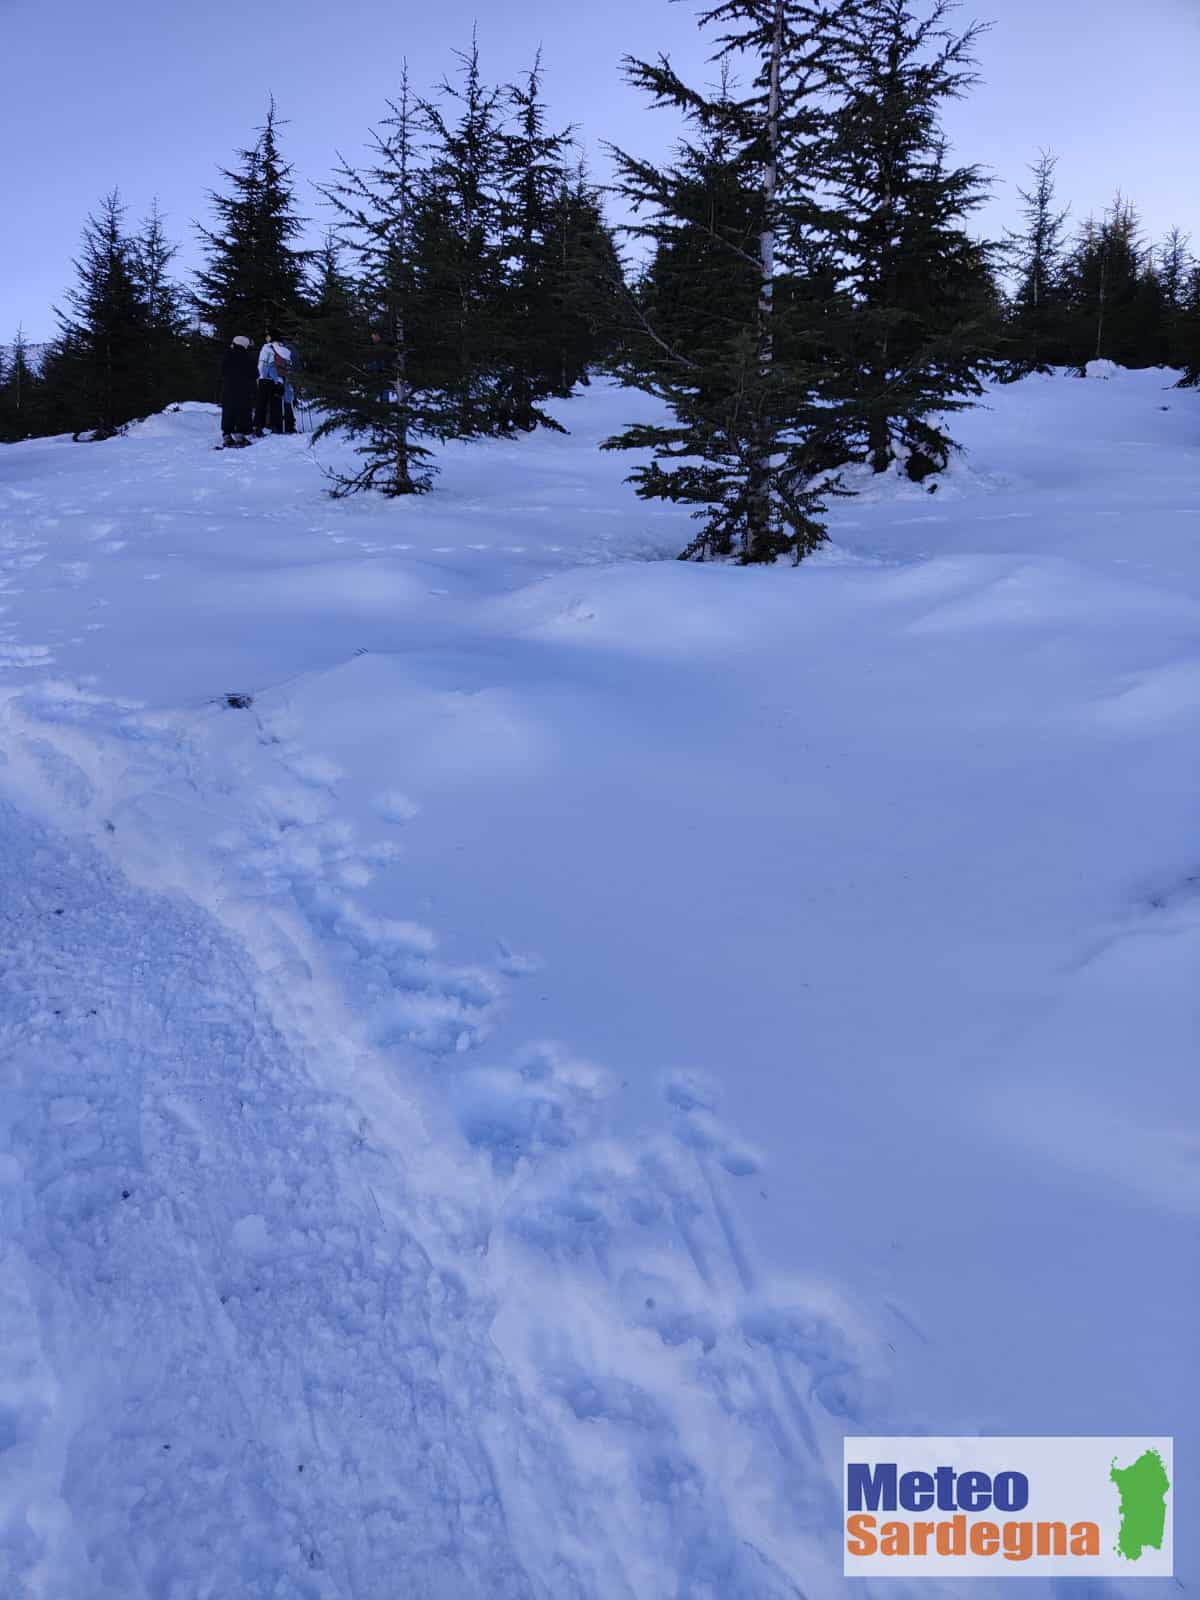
275 411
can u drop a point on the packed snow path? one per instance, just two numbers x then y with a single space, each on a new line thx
485 1116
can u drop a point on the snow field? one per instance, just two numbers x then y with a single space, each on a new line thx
490 1114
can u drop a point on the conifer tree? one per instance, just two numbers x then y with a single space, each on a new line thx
925 300
1175 267
532 181
1037 334
170 354
1115 301
254 277
21 409
458 240
731 220
1187 333
100 371
387 398
585 283
334 323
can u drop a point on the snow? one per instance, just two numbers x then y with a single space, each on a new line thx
486 1117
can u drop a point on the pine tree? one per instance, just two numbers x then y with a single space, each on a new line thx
585 284
254 278
731 220
1115 302
170 351
1037 334
387 397
1175 267
1187 333
458 242
334 323
100 371
924 334
532 180
21 409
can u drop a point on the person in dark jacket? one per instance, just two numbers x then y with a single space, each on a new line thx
239 380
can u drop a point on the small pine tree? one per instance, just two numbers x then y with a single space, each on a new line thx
923 335
254 277
100 372
22 413
385 393
1036 335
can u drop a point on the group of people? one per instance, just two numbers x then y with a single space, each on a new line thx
256 397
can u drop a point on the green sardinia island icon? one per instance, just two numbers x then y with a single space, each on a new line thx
1143 1491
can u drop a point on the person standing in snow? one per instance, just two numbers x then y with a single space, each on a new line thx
274 410
237 393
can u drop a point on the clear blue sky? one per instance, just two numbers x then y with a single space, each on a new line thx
151 95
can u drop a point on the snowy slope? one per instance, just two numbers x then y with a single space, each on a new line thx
489 1115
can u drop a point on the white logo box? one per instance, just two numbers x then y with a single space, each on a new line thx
1068 1484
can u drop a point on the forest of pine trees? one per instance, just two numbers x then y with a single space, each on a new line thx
802 285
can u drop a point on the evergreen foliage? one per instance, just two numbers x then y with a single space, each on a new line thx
99 371
738 356
1036 336
391 390
1114 300
22 394
253 280
922 331
809 294
460 244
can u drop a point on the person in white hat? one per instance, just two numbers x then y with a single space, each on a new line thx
238 376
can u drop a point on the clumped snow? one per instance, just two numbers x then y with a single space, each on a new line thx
513 1046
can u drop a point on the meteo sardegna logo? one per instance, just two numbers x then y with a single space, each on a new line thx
990 1508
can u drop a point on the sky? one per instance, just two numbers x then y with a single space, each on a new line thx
151 96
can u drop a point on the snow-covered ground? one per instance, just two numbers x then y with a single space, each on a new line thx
487 1116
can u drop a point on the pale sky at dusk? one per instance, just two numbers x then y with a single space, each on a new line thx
151 96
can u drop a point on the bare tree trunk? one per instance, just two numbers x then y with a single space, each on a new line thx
757 545
404 483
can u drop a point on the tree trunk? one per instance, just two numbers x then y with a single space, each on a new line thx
758 544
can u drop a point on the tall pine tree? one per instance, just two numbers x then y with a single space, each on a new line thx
99 371
1175 268
388 396
458 240
532 180
170 352
254 277
924 296
1037 335
739 357
334 324
1113 293
585 283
